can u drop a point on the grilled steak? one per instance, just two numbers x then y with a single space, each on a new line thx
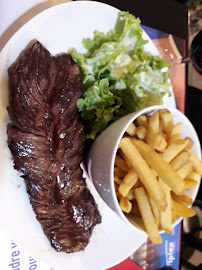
46 139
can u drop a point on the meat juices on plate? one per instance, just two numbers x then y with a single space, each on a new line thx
46 139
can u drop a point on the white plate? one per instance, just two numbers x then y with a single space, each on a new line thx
60 28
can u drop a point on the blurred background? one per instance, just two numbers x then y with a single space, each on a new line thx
194 79
191 248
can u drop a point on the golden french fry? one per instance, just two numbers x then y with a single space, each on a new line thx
154 173
165 136
128 182
141 132
131 195
160 128
175 133
190 143
142 121
125 205
181 159
154 122
120 163
185 170
188 183
135 209
183 199
117 180
119 173
182 210
166 120
174 213
163 169
156 140
197 164
195 176
147 215
174 149
166 216
131 130
126 159
144 172
155 209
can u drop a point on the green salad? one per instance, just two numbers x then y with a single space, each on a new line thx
119 77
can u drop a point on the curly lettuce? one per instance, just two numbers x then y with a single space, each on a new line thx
119 77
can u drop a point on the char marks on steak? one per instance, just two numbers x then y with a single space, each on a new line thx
46 139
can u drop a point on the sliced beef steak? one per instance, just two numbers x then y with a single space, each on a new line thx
46 139
31 79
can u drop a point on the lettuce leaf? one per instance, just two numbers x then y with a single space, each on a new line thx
119 77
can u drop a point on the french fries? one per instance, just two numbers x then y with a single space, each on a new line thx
196 162
119 162
164 170
190 143
157 141
175 133
155 209
141 133
183 199
188 183
131 195
144 172
154 167
154 122
174 149
128 182
125 158
131 130
142 121
147 215
154 139
174 212
166 216
125 205
185 170
182 210
181 159
195 176
166 121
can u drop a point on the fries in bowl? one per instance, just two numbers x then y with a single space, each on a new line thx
155 167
